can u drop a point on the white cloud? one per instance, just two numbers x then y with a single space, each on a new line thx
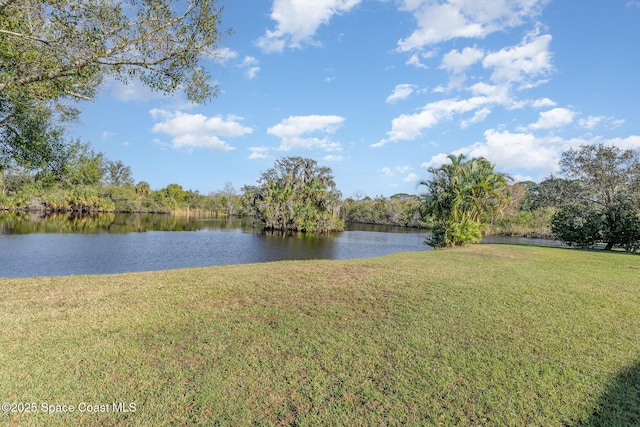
249 61
444 20
498 92
298 20
134 90
633 3
544 102
252 72
522 64
295 130
251 66
519 150
412 177
298 125
416 59
530 59
590 122
478 116
331 76
631 142
554 118
457 62
387 171
107 135
436 161
524 150
224 55
410 126
191 131
258 153
333 158
400 92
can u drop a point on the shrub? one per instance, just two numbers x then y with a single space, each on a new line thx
622 227
618 225
578 225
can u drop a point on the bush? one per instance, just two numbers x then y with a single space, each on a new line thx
583 226
455 233
578 225
622 227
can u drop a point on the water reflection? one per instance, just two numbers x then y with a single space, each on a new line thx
37 222
39 245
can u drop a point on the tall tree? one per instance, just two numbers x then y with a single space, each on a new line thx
463 195
556 192
117 173
82 165
606 173
609 178
297 195
59 50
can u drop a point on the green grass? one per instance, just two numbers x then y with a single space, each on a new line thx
485 335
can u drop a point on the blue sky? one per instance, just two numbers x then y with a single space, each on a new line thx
379 90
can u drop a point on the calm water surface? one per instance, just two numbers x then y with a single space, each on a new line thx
66 245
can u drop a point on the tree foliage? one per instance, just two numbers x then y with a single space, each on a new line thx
587 225
297 195
399 209
59 48
607 174
55 51
578 225
29 136
608 211
117 173
556 192
462 196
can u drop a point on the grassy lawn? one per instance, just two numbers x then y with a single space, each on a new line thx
485 335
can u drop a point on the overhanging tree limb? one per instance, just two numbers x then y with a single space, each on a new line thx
55 50
72 40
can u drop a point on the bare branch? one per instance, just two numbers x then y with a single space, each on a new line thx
79 96
26 36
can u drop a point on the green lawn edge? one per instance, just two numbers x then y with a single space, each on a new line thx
483 335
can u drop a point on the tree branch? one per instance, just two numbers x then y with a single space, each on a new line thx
26 36
5 3
79 96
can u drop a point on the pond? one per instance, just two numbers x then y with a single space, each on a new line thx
53 245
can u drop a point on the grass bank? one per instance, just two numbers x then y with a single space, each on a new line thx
486 335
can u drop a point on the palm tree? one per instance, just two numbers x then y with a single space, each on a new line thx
297 195
462 195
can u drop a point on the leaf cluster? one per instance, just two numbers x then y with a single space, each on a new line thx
586 226
607 178
56 51
297 195
58 48
463 195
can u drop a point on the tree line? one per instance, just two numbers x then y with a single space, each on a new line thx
596 201
82 180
